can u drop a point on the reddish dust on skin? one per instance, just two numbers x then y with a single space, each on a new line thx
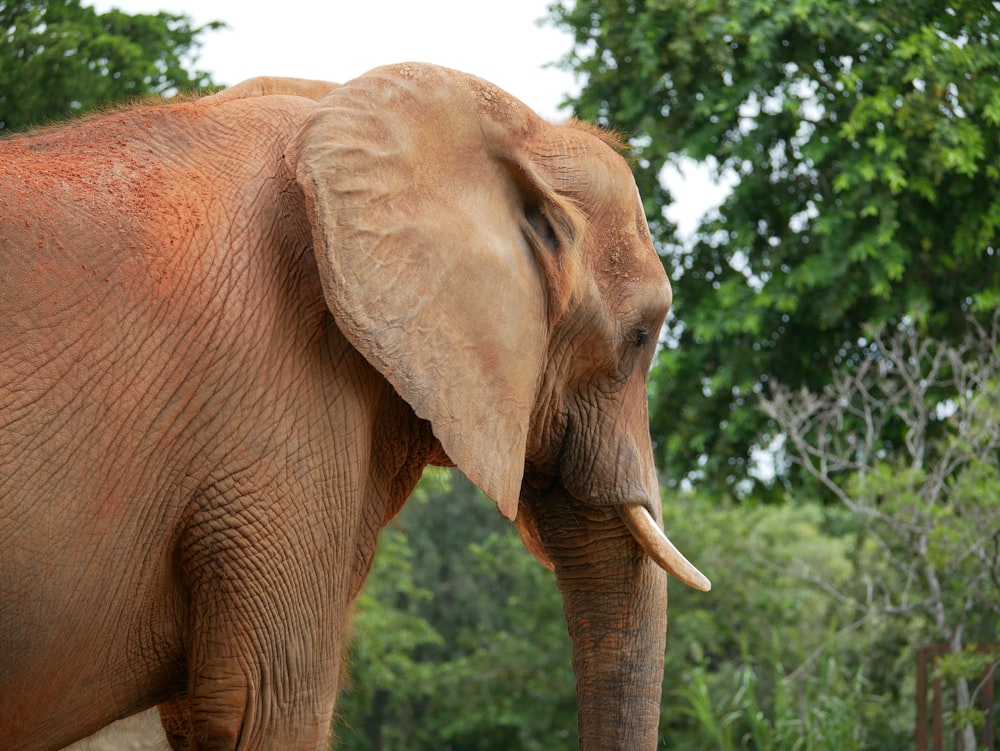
623 256
91 162
102 179
497 103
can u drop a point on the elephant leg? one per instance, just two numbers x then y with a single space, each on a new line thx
175 718
263 638
251 686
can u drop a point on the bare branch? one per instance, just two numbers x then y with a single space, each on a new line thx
908 440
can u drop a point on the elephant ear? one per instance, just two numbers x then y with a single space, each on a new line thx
418 227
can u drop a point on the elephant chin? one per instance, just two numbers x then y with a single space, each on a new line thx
657 546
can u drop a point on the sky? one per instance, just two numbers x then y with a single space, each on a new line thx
337 40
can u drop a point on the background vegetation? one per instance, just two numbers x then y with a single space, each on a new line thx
59 58
824 405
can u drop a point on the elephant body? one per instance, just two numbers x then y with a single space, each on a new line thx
142 394
208 409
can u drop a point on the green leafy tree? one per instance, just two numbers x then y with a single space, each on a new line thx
59 58
388 681
862 142
481 660
776 657
509 682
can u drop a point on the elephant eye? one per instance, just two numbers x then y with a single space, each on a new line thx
540 227
641 338
635 346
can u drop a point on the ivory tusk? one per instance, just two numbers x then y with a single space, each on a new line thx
658 547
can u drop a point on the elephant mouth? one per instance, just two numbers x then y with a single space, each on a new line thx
657 546
640 525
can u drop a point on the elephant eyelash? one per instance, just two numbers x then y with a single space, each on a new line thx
641 338
633 343
540 227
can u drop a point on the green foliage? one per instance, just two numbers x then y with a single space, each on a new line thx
864 140
925 501
777 656
59 58
386 679
483 661
945 536
510 686
969 665
738 719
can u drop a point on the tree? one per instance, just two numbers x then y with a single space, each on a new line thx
772 658
387 679
460 644
931 503
459 640
863 141
59 58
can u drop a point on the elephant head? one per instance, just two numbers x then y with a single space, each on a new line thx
499 272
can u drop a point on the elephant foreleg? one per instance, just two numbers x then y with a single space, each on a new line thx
175 717
263 638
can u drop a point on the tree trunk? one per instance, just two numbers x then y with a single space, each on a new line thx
963 700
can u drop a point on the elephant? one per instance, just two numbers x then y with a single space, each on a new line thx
236 329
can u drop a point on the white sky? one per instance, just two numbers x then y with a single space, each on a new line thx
336 40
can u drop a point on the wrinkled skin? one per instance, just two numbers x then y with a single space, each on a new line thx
236 329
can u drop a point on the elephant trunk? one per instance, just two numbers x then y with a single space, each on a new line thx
615 600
